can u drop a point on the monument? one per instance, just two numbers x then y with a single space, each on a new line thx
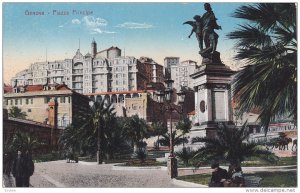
211 80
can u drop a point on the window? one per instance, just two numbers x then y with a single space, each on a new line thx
20 101
11 102
46 99
6 101
16 101
62 99
31 101
29 110
27 101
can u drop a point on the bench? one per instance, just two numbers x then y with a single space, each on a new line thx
252 181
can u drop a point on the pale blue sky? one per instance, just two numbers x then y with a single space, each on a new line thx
143 29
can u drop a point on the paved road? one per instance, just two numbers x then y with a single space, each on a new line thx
62 174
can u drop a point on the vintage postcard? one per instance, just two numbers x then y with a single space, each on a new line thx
149 95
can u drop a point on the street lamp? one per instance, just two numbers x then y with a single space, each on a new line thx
165 98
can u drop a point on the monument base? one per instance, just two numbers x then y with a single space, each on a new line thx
211 58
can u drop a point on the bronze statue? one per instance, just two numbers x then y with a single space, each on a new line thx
204 29
197 29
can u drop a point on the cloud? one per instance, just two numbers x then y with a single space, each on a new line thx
76 21
61 26
93 23
133 25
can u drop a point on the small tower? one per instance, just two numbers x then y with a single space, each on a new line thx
94 48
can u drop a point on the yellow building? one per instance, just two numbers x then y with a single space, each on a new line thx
53 104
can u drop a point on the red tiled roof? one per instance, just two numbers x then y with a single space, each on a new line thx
192 113
7 88
109 93
31 88
35 88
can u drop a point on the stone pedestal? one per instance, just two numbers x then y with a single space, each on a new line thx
172 167
212 83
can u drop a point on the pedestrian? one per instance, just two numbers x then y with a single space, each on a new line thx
219 176
23 168
237 178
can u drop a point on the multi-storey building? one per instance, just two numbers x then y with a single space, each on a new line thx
52 104
153 71
104 71
181 74
168 62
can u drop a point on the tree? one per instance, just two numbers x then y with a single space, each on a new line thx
70 139
177 139
114 140
25 142
230 144
185 125
159 129
16 112
136 129
95 123
267 44
186 154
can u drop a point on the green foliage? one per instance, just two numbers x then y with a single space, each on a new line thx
269 179
136 129
16 112
53 156
99 129
25 142
267 44
185 125
230 145
278 179
158 128
177 139
185 155
146 163
203 179
140 154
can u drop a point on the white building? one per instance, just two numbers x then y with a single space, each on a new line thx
104 71
181 74
168 62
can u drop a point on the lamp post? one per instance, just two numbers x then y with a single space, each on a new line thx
165 98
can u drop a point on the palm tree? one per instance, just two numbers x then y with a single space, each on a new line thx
230 144
136 129
16 112
70 139
95 124
268 46
186 154
25 142
177 139
185 125
114 140
159 129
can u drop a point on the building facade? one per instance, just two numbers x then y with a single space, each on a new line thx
103 71
168 63
153 71
46 134
54 104
181 74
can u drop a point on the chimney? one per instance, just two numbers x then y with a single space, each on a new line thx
52 113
